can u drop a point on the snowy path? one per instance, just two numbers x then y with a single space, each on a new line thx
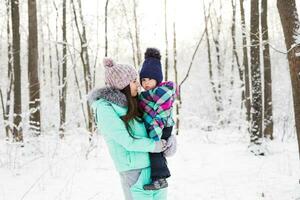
200 171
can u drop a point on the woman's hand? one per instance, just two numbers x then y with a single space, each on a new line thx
160 146
171 146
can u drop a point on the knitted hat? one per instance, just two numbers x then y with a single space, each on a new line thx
118 75
152 67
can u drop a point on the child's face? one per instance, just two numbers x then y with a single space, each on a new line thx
148 83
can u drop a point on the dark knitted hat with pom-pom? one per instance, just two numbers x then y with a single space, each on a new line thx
152 67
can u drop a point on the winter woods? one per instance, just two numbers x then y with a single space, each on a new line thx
226 56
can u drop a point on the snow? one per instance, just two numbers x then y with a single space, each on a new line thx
212 162
218 168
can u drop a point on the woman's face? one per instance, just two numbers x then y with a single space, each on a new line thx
134 85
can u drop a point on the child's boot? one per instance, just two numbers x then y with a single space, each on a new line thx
156 185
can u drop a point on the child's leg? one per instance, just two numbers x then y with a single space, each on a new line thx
159 172
159 168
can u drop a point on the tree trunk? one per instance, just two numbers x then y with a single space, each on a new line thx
106 41
7 107
76 76
233 48
95 66
33 78
268 105
17 129
130 36
3 113
137 36
210 64
56 45
212 83
256 125
178 103
84 59
166 42
235 57
220 67
63 76
50 51
42 49
58 63
290 24
245 69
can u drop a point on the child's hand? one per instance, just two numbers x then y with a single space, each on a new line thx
160 146
165 143
171 146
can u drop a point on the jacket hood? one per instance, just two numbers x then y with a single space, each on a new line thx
109 94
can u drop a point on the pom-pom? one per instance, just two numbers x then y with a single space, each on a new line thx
152 53
108 62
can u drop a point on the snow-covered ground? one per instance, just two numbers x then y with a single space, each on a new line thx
208 165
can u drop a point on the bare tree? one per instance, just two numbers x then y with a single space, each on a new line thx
6 108
235 57
130 36
178 107
58 61
58 66
15 17
220 66
33 77
290 24
84 55
210 64
62 73
245 68
73 59
42 39
137 34
256 125
106 41
50 49
166 42
176 76
5 118
204 33
268 105
97 48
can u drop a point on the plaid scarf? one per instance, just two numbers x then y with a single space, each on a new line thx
157 105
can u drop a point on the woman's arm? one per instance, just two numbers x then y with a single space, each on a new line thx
111 126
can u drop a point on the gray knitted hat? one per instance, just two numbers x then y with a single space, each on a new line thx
118 75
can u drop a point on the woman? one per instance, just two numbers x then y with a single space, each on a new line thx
118 119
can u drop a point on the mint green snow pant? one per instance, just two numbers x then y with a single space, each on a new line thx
133 182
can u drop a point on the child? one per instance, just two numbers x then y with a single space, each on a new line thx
156 103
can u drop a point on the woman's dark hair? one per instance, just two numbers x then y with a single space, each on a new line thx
133 111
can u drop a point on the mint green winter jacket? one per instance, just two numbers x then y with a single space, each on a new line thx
127 153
